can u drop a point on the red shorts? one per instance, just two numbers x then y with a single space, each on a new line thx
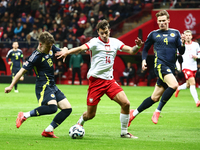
189 73
98 87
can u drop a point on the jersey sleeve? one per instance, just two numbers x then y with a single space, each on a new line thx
55 49
8 55
147 45
181 49
90 44
31 62
120 44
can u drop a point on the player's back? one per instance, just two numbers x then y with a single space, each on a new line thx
43 66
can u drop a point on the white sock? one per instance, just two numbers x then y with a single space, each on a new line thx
81 121
183 86
124 119
27 114
49 128
157 111
193 91
135 112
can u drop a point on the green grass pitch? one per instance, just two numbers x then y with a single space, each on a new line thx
178 127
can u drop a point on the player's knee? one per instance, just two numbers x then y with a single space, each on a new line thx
126 105
53 108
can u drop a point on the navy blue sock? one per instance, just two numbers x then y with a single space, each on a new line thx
165 97
44 110
148 102
60 117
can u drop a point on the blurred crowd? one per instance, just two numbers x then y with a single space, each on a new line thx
66 20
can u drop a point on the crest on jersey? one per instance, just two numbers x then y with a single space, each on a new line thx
107 47
18 53
168 70
91 100
52 95
172 35
50 53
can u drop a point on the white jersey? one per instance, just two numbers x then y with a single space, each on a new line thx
102 57
189 62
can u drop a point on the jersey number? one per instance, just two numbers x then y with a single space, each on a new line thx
16 57
166 41
108 59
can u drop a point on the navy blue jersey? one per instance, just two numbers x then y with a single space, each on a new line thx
16 57
43 66
166 43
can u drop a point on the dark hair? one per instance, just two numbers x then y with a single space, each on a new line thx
47 38
102 25
162 13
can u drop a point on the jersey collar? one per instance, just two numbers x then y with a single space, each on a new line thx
103 41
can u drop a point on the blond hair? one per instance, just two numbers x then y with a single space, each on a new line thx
162 13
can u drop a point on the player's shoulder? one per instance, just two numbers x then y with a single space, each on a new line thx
35 56
10 51
195 43
173 30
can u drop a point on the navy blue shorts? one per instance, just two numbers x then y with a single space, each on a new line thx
161 70
47 93
14 71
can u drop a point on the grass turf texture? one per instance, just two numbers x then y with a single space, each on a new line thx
177 128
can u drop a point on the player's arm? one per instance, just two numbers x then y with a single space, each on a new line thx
20 73
8 59
65 52
181 49
133 50
145 50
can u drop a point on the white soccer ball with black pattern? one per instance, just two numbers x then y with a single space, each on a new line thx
76 132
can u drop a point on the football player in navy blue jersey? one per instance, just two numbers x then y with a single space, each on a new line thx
166 41
15 59
50 98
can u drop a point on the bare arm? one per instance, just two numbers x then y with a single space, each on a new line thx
21 72
133 50
66 52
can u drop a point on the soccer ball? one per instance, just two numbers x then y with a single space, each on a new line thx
76 132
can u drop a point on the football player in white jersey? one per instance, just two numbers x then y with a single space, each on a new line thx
189 66
103 50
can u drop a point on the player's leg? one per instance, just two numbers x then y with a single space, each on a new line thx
42 110
148 102
73 75
88 115
47 105
193 90
66 110
123 101
16 85
184 85
79 75
172 83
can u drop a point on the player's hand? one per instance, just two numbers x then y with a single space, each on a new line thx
8 89
194 56
139 42
144 65
183 39
62 54
9 62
